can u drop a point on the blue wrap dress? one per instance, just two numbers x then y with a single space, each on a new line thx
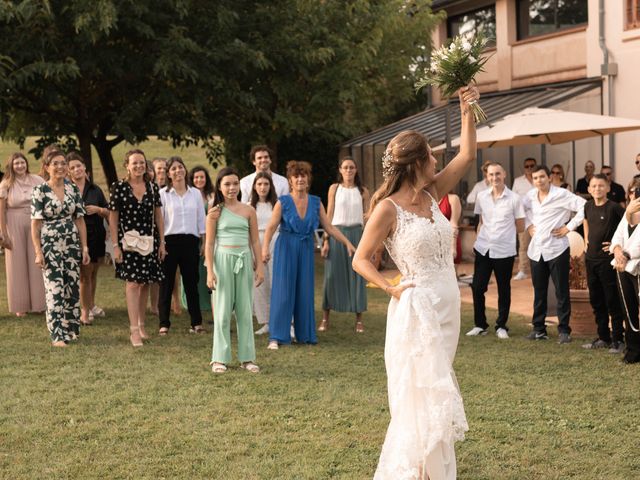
292 291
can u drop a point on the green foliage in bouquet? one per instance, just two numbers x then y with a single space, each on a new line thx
456 65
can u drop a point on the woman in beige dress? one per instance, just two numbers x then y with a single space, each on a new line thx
25 288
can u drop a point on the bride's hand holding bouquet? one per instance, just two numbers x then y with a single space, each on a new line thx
454 67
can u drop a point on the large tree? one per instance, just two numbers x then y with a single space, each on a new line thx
105 71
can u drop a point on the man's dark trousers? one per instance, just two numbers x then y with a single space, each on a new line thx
483 266
604 298
558 270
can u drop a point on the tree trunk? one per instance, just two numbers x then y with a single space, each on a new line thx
103 147
84 141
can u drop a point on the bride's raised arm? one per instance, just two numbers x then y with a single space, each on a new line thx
457 168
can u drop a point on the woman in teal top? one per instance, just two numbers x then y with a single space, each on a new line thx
230 271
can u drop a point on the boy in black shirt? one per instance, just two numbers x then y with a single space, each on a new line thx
601 218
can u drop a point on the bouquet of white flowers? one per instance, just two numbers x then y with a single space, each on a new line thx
455 66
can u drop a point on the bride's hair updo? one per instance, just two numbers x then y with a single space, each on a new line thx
406 154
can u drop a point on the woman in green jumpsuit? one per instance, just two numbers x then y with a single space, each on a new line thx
230 271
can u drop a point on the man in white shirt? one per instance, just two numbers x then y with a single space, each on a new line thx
261 158
546 208
501 217
480 186
521 186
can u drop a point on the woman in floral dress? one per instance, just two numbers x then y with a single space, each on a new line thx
60 241
135 205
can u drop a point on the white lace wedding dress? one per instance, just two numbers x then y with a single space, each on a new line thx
427 415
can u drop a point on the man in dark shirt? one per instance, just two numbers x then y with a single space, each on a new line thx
601 218
616 193
582 187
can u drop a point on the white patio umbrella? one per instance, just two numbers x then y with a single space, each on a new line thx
545 125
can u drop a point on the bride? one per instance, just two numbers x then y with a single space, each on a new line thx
423 321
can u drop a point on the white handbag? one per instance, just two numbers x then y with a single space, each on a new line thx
134 241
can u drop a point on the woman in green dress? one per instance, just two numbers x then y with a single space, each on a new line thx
344 289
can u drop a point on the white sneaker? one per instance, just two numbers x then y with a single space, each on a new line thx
264 329
520 276
502 333
475 331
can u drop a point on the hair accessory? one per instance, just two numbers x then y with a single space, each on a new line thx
388 165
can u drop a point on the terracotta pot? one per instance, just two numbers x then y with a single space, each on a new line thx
582 322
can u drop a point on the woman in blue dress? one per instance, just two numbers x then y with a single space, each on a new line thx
298 216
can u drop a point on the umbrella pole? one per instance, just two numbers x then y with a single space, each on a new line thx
573 163
511 166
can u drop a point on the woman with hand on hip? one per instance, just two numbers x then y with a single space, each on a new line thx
423 322
96 206
263 198
60 242
344 289
135 207
25 288
183 218
298 216
232 255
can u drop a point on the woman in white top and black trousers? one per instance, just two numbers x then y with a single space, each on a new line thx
183 215
625 246
344 289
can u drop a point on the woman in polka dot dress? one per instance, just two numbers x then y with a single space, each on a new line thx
135 205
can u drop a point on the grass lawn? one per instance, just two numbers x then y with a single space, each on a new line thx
101 409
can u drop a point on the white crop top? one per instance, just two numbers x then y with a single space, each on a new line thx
348 209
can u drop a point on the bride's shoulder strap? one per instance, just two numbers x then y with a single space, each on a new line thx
433 198
394 203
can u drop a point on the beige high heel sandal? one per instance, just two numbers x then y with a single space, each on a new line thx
133 342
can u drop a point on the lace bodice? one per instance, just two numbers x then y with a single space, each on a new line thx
420 247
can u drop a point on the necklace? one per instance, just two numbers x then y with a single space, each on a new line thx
23 186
